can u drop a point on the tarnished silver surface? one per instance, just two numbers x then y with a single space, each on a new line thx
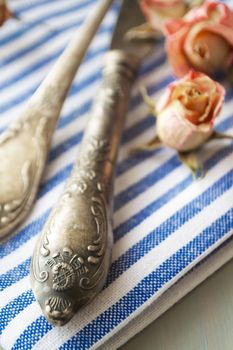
72 256
25 144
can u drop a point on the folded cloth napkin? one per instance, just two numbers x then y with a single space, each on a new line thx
170 232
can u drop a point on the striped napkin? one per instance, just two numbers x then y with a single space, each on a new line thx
170 232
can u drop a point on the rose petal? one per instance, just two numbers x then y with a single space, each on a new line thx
182 36
181 134
187 111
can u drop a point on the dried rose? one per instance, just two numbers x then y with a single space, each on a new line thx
187 110
203 39
4 12
158 11
185 115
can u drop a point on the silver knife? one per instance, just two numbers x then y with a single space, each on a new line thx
73 254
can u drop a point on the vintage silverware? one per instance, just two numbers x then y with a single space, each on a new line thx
25 144
72 256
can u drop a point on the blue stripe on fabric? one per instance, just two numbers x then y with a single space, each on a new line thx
8 313
22 270
133 131
56 180
45 39
55 156
138 128
27 72
146 182
92 54
154 206
133 221
128 135
75 114
156 236
14 275
25 95
62 174
34 227
18 240
40 326
134 160
65 120
225 124
30 6
65 146
46 60
25 234
137 296
74 140
169 226
25 27
85 107
148 286
10 104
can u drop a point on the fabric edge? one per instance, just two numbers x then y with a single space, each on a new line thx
182 287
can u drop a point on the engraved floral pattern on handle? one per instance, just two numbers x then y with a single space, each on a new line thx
19 182
81 222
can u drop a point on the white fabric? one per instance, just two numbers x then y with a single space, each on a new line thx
170 232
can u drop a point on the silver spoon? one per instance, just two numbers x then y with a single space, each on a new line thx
25 144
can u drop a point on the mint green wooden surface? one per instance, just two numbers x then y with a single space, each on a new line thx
203 320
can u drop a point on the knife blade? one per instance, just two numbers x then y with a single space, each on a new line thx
73 254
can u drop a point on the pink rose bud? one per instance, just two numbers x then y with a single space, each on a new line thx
187 110
203 39
4 12
158 11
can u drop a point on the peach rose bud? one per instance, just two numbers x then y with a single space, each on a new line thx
203 39
159 11
187 110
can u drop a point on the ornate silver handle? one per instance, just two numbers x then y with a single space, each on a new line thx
72 256
25 144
